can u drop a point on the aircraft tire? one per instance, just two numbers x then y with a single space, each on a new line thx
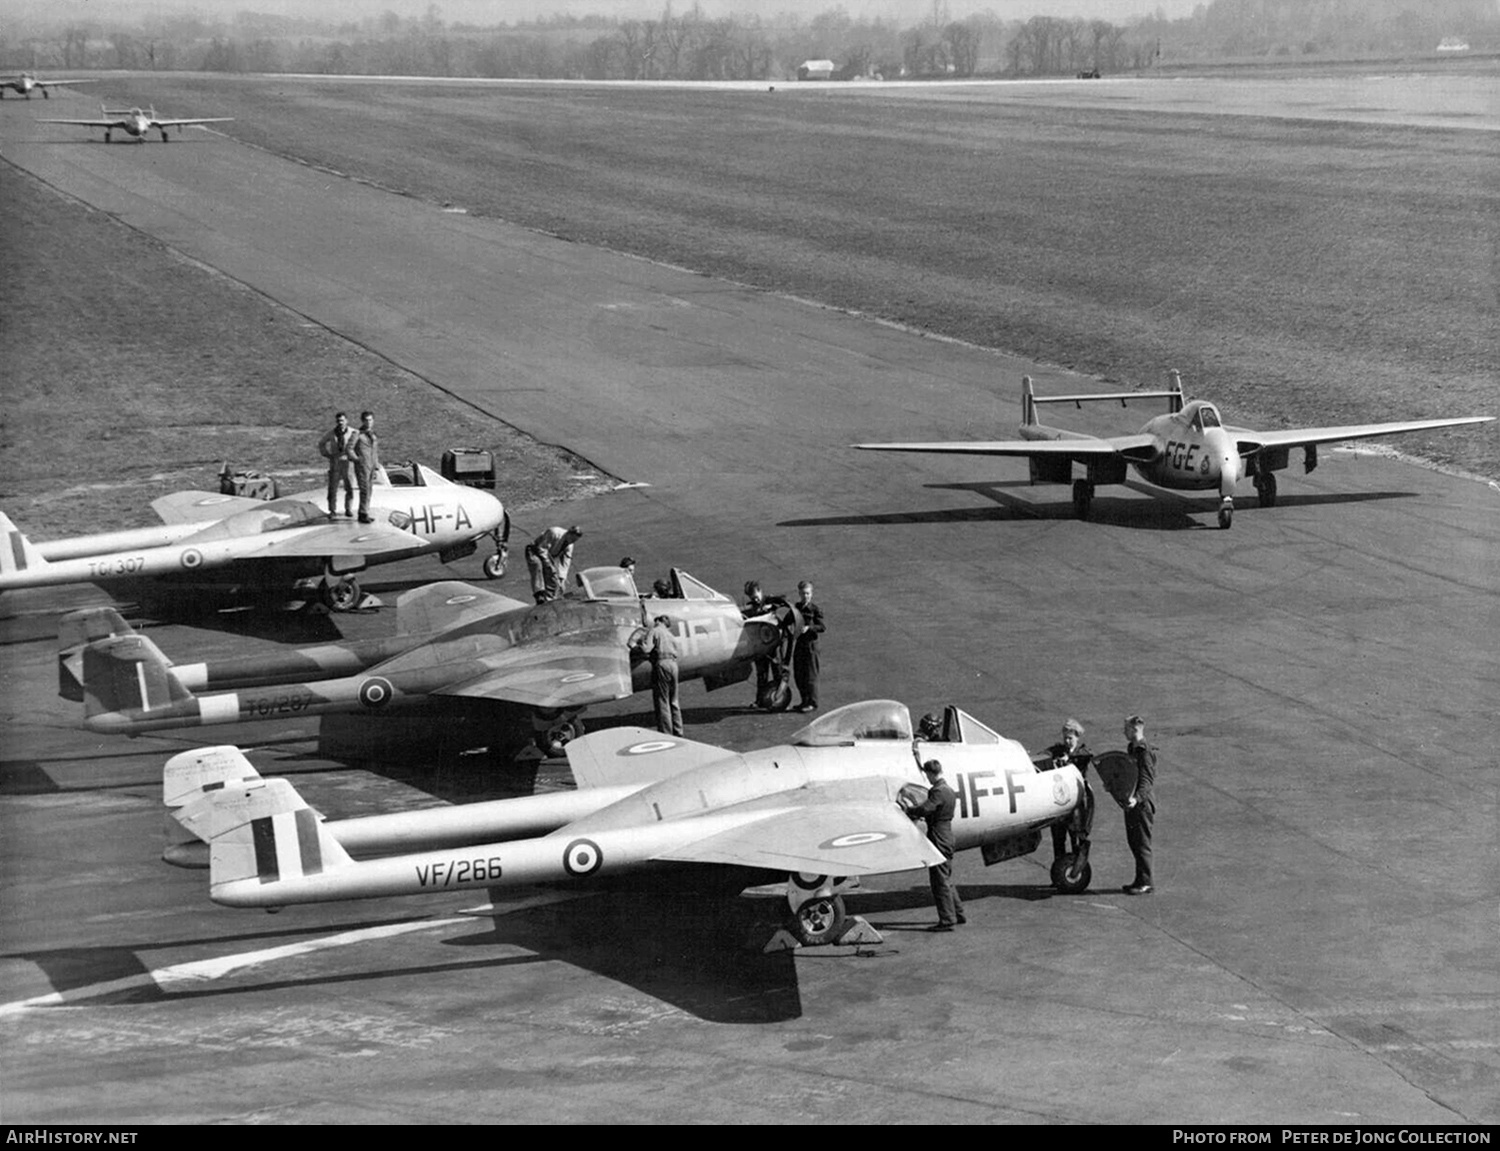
554 741
780 698
494 566
1226 517
1083 496
1070 877
339 595
820 921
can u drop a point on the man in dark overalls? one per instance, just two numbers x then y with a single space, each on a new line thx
938 812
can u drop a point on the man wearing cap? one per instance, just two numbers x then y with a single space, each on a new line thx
1140 808
805 650
1070 750
938 812
660 646
548 558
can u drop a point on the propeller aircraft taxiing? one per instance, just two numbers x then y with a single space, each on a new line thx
208 539
26 82
815 814
527 669
1187 449
134 122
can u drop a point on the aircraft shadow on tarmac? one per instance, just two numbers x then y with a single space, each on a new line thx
1164 511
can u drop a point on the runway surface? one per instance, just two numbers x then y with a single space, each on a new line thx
1320 681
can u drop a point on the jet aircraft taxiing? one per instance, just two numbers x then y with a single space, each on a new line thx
1187 449
542 663
134 122
208 539
815 813
26 82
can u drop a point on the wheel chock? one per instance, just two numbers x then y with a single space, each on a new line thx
859 931
368 601
783 940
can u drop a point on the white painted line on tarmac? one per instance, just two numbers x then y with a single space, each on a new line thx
205 970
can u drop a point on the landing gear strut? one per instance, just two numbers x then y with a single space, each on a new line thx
1071 871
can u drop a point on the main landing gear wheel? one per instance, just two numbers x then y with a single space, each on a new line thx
554 741
820 920
1265 488
1226 515
1070 875
1083 496
494 566
340 595
780 698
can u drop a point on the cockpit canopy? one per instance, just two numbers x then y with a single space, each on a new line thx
1200 415
617 583
873 719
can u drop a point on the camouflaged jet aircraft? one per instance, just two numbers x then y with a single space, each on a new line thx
26 82
540 665
136 123
208 539
1188 449
815 814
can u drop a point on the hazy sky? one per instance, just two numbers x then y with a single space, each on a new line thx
501 11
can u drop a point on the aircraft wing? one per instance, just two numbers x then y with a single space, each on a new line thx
184 123
87 123
847 828
334 539
558 671
1142 447
1250 441
621 755
448 604
200 507
62 83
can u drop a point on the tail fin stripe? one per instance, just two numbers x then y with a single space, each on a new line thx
307 841
141 682
266 865
18 551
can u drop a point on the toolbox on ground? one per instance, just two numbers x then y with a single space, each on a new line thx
472 466
254 485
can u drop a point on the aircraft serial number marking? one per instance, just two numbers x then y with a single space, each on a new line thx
276 704
117 565
452 872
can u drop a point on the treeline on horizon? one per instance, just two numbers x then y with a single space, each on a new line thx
693 46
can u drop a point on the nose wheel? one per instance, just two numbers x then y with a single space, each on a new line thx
1226 513
494 565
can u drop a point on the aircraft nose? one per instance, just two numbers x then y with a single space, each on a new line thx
1230 466
488 512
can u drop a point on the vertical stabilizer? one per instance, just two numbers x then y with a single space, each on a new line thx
17 554
1028 402
75 631
265 833
128 674
1174 383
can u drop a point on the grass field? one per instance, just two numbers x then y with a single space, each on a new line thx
1297 271
130 373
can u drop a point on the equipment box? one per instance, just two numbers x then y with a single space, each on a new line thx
469 466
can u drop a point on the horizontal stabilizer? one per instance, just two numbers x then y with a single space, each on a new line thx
75 631
446 605
190 774
128 674
625 755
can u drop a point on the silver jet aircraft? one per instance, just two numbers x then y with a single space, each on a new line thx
537 665
136 123
815 813
208 539
26 82
1188 449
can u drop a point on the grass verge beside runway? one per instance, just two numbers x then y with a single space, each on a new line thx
1300 272
131 373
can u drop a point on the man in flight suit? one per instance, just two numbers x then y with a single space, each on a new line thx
659 645
805 653
1140 808
365 452
548 558
334 447
938 812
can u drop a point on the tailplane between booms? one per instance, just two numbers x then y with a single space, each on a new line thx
1030 400
128 673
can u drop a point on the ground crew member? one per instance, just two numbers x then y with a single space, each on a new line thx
659 645
1070 750
365 452
548 558
334 447
938 812
757 604
1140 808
805 652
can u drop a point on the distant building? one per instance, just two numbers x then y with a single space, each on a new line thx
1453 44
815 70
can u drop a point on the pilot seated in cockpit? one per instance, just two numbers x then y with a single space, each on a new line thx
930 729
